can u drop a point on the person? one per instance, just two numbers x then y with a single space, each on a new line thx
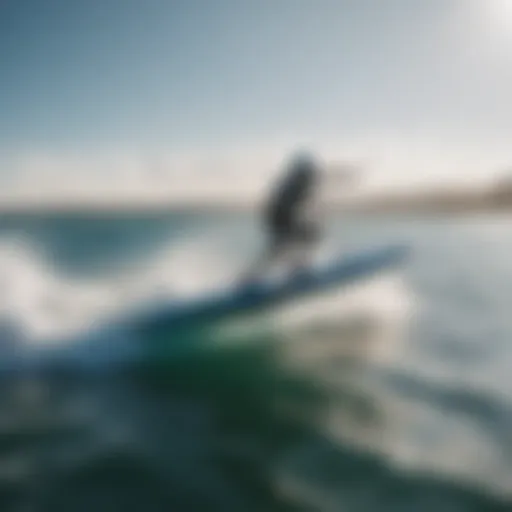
290 219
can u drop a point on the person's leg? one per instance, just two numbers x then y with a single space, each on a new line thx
306 241
273 252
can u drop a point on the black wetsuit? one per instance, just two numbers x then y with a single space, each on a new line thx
284 213
286 220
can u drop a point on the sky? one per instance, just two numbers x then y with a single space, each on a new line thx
117 90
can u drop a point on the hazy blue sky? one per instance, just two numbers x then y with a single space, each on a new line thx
406 82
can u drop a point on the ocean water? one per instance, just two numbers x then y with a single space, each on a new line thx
406 404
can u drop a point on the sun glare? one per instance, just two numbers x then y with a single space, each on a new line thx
491 26
499 13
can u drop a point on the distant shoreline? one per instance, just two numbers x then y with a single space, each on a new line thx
434 201
159 208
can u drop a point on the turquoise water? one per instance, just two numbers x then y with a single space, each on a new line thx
274 424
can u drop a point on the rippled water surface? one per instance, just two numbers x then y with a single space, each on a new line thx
406 404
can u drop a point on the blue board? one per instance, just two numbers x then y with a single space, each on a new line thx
231 301
188 323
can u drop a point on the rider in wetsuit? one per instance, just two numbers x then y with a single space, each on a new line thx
288 216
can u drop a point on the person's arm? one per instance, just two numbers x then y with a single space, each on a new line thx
337 179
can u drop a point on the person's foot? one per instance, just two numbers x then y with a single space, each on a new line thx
247 282
300 273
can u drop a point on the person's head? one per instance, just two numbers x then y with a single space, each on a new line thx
303 163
